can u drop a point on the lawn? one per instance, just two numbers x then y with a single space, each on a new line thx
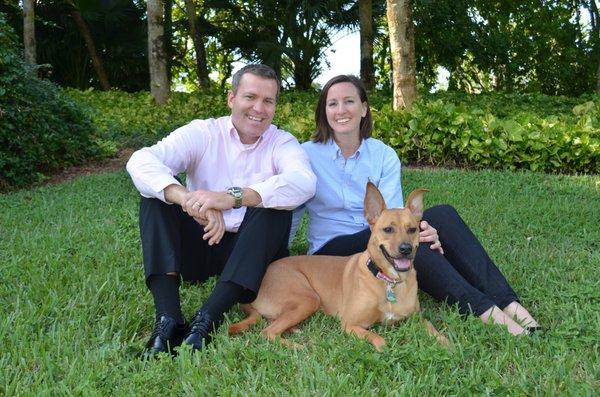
76 313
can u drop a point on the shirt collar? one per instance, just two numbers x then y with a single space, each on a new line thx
336 152
233 134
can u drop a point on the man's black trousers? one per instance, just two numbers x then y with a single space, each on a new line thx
172 242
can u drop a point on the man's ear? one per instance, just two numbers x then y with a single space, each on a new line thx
414 202
230 96
374 203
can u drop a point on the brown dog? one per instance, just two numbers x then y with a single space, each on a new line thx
378 285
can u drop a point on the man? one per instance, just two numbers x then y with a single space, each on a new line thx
231 219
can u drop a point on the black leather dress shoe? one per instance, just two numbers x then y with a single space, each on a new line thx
167 335
201 326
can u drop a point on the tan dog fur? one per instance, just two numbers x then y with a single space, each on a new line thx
295 287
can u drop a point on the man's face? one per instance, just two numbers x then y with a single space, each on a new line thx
252 106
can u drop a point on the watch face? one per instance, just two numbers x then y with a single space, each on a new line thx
237 193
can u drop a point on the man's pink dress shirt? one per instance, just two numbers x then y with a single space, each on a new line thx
214 158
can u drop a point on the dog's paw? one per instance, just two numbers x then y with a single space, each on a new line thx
378 342
442 340
236 329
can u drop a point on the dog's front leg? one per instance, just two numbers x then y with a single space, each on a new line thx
377 341
442 340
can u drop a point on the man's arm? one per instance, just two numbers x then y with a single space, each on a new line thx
152 168
294 182
197 202
211 219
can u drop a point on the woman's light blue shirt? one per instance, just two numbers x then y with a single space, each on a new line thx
338 205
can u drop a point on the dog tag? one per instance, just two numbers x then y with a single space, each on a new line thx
391 296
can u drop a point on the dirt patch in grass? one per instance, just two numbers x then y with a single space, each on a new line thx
113 164
118 163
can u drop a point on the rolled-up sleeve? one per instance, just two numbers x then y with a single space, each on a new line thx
294 182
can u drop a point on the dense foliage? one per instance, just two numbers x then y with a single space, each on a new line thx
485 45
510 45
118 28
40 128
499 131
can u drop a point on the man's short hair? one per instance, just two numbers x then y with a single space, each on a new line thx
260 70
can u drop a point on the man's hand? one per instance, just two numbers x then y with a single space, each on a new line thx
196 203
429 234
214 226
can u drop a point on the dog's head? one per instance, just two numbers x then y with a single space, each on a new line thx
394 232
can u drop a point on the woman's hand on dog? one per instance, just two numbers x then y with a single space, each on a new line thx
429 234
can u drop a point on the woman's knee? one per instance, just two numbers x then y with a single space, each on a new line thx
441 215
441 210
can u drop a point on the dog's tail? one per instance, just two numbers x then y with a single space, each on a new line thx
253 317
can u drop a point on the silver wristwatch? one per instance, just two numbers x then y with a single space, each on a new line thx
237 193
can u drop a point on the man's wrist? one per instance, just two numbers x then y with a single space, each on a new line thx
237 194
175 193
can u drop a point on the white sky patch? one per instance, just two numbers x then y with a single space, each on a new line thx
343 57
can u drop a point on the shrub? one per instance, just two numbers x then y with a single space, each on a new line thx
499 131
40 128
440 133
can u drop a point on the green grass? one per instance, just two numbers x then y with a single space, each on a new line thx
75 310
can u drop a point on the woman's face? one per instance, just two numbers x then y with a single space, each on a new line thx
344 109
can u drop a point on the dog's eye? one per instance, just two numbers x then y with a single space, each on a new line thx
412 230
388 229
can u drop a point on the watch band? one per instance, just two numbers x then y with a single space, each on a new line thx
237 193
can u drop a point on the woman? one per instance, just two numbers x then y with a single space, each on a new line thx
453 267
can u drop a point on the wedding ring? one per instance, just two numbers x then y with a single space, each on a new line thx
196 205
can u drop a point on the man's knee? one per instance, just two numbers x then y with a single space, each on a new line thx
274 220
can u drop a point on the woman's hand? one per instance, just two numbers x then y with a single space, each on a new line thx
429 234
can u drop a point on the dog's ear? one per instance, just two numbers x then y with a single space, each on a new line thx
414 202
374 203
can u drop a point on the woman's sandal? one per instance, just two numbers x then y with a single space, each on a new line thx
537 329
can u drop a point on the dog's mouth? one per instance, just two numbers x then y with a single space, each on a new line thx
401 264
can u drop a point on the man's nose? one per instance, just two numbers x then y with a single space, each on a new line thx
259 107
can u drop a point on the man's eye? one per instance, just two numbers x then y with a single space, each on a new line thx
388 229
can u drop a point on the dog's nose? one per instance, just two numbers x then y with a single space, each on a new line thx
405 248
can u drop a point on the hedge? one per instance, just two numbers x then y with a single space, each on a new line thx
41 129
496 131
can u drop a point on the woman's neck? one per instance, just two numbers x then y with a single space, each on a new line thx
348 143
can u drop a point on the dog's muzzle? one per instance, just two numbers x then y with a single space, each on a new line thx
403 262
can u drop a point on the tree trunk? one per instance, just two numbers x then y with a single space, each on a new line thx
29 31
402 43
91 47
169 36
365 10
302 79
594 18
157 59
201 68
